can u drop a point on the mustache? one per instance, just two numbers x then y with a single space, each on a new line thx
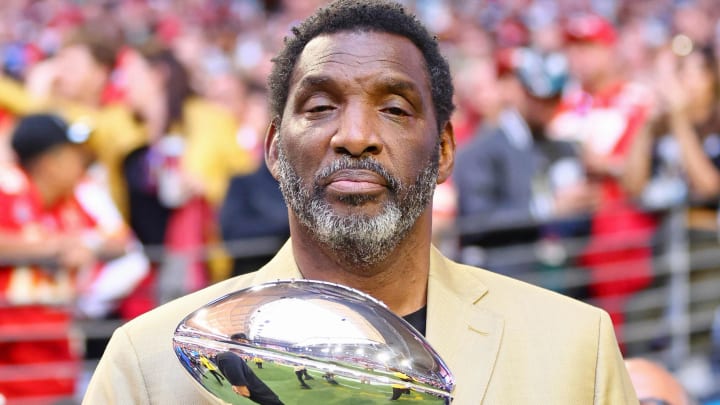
367 163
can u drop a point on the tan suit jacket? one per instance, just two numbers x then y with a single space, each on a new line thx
505 341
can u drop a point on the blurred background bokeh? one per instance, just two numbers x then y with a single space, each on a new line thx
588 137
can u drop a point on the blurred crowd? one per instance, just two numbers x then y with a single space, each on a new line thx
140 123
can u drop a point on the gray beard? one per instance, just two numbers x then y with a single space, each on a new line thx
357 239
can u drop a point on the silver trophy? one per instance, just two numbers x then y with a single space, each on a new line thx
308 342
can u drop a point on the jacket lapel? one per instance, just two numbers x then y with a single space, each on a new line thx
466 336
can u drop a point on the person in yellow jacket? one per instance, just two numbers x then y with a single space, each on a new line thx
73 84
212 369
400 388
211 154
159 107
180 176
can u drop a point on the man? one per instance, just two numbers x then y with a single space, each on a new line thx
604 115
244 382
361 100
301 371
79 84
211 368
55 237
512 180
85 63
398 389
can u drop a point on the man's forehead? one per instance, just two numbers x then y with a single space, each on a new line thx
353 51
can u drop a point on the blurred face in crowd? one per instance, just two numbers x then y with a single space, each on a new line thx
539 112
698 78
479 88
82 78
358 152
513 93
145 83
227 90
590 63
62 167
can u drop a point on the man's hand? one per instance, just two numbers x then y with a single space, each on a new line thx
242 390
668 85
75 255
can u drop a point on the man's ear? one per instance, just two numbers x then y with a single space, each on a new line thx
447 153
271 146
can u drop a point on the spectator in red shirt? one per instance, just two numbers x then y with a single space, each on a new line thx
49 242
603 115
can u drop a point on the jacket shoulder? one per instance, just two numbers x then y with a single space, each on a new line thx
513 297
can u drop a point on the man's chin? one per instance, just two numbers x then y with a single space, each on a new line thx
360 253
359 208
363 235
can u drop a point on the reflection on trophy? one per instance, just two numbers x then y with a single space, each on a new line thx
308 342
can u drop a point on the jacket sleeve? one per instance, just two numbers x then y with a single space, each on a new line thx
612 382
118 378
212 152
15 98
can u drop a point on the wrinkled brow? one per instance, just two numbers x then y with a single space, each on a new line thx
400 86
313 81
386 83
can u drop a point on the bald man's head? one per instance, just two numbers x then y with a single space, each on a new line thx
654 384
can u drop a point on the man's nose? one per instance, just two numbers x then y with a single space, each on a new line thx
357 134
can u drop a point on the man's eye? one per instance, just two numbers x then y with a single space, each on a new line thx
396 111
320 108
